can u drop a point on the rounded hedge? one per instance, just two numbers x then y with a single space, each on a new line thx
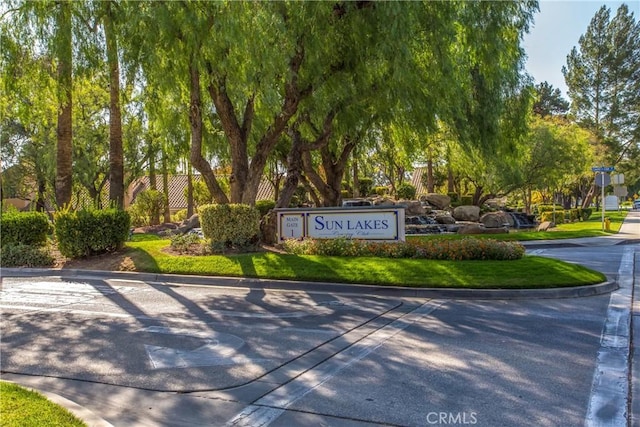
27 228
230 225
89 232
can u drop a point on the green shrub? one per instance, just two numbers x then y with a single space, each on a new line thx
438 249
179 216
573 215
586 213
149 204
299 197
549 208
89 232
406 191
365 186
466 200
181 243
201 194
28 228
547 216
264 206
380 191
230 225
20 255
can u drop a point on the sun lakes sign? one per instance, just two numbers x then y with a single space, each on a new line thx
367 223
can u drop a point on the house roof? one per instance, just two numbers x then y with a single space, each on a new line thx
416 180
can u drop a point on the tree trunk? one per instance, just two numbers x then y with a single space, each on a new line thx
189 191
116 155
430 183
195 120
527 200
165 188
450 180
41 206
356 178
246 177
64 156
294 170
333 168
153 180
588 199
237 135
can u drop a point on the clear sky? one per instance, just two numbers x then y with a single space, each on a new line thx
556 30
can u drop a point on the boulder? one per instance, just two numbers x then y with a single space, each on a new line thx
383 202
544 226
413 208
445 219
495 220
498 203
438 201
467 213
189 223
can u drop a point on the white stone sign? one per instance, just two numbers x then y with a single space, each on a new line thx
360 225
367 223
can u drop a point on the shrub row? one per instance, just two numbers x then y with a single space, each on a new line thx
230 226
89 232
437 249
20 255
27 228
545 213
264 206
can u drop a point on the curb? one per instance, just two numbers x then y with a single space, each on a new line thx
342 288
578 242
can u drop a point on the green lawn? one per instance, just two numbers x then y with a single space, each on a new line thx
20 407
590 228
148 256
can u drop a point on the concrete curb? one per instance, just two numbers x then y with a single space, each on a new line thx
89 417
342 288
578 242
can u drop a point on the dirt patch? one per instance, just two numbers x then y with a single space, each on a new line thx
115 261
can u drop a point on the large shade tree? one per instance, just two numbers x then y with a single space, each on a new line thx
321 79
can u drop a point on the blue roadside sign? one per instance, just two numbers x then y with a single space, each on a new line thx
602 169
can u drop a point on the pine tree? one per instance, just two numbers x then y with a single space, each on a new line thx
549 101
603 77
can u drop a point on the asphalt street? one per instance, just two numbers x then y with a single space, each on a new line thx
157 353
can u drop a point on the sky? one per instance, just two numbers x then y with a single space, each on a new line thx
556 30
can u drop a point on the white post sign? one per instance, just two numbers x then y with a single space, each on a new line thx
291 226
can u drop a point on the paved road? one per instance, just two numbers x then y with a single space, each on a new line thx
141 353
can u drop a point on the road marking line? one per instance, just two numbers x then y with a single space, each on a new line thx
610 386
272 405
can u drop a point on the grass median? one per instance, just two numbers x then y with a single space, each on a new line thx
529 272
